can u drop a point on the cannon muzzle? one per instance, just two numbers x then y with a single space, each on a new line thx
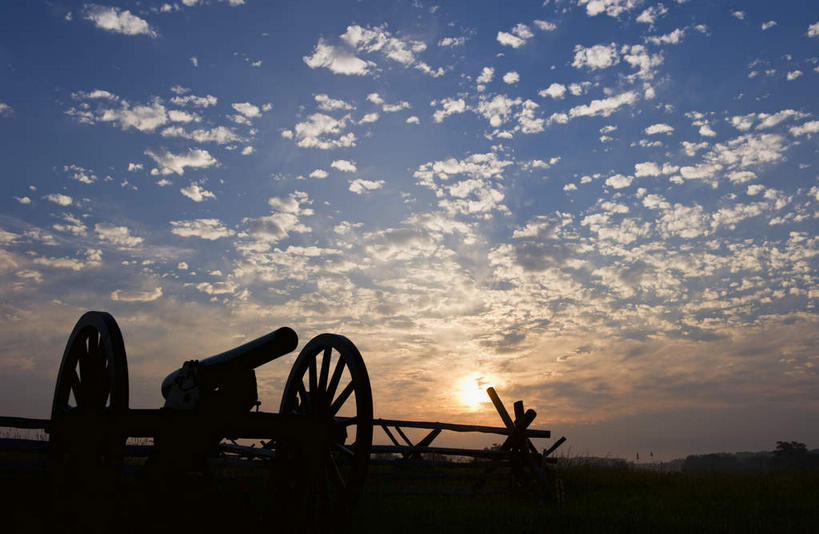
214 370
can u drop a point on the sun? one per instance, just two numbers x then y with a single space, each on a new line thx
472 390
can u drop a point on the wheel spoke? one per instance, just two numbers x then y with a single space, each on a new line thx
312 374
342 398
335 473
325 367
331 389
305 399
75 386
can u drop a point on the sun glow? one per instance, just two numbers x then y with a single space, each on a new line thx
472 390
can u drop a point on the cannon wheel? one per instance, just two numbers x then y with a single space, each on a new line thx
327 376
92 388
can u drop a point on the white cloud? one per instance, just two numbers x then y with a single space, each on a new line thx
341 58
177 115
413 120
487 73
452 41
113 19
360 186
555 90
194 61
651 13
605 106
707 131
511 78
5 110
285 219
517 38
323 132
807 128
794 75
59 199
369 117
176 163
121 295
219 134
619 181
344 165
813 30
142 117
659 128
449 106
738 15
247 109
331 104
196 101
210 229
23 200
375 98
248 150
337 60
392 108
319 174
79 174
674 37
196 193
612 8
545 25
768 25
117 235
595 57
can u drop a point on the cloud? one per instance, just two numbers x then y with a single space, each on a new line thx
196 193
210 229
369 117
793 75
806 128
738 15
449 106
659 128
247 109
651 14
604 107
555 90
813 30
342 59
324 132
545 25
619 181
768 25
220 134
115 20
59 199
175 163
195 101
612 8
142 117
79 174
121 295
319 174
5 110
344 165
511 78
284 219
359 186
487 73
117 235
520 33
595 57
452 41
331 104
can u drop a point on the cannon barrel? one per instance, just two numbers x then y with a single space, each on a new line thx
241 359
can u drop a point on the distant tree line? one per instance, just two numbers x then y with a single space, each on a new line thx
788 456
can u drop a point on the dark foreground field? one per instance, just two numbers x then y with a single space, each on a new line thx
402 498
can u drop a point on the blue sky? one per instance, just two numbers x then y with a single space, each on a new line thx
605 207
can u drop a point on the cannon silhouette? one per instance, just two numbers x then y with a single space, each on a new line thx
318 455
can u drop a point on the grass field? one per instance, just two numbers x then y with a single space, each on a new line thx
413 499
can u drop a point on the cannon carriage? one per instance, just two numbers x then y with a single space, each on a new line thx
319 441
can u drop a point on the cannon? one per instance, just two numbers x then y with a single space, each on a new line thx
319 442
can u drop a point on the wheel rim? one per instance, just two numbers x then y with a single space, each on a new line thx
93 375
329 380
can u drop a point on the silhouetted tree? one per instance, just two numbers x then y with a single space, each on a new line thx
790 449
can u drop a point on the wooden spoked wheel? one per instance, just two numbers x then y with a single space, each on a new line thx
92 389
329 382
